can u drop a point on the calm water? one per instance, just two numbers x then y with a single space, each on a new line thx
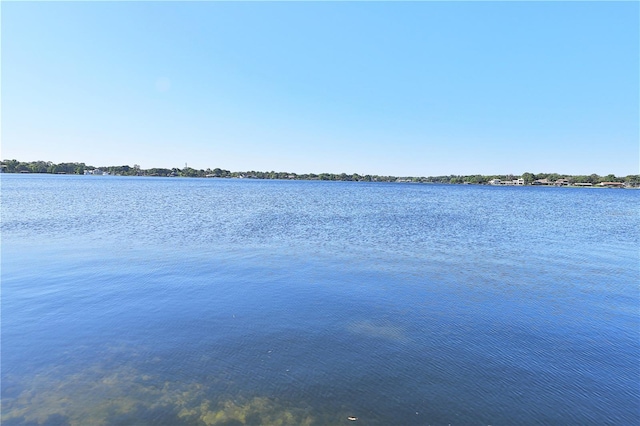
202 302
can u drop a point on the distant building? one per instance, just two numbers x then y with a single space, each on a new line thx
513 182
95 172
612 184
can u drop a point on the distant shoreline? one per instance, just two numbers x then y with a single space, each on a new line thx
526 179
597 186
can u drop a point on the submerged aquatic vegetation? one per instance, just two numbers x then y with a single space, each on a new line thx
98 396
258 410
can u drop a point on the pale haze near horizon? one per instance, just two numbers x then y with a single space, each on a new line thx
405 89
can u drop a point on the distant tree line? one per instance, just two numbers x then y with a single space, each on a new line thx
15 166
530 178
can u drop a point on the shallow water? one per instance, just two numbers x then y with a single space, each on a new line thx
210 301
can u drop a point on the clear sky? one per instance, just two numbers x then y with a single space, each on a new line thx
414 88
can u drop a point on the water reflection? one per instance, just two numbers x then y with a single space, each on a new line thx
381 331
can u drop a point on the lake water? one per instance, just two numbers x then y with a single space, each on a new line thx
227 302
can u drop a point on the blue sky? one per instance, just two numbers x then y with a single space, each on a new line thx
414 88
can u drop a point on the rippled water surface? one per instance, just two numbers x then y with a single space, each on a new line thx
227 302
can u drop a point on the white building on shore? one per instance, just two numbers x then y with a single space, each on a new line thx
513 182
